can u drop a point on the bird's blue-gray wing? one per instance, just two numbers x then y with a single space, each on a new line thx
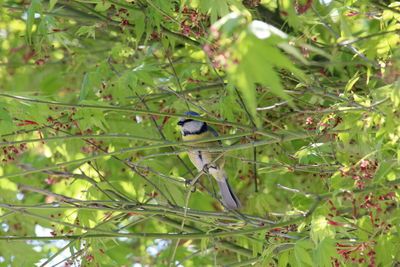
214 132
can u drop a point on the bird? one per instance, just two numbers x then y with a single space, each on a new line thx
209 162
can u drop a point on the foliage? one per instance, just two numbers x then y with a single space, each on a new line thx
304 94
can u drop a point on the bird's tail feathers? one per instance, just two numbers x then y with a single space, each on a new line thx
228 197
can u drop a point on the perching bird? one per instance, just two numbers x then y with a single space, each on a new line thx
205 160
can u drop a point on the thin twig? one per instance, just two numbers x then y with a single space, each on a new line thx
156 96
295 190
273 106
157 173
23 187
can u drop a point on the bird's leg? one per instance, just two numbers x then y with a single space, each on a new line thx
209 168
206 168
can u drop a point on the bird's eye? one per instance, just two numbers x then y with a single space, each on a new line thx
181 123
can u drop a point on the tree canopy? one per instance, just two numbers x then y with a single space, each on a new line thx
304 94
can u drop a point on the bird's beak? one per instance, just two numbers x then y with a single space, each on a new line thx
180 123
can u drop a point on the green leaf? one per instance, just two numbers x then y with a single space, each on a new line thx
46 25
85 87
386 250
118 253
255 57
33 10
177 194
366 225
383 169
345 28
320 229
313 154
204 244
4 115
302 254
246 87
283 259
301 202
52 4
268 253
139 25
291 50
103 5
214 8
337 181
259 68
12 256
324 252
51 82
389 14
91 117
352 81
289 7
89 31
395 94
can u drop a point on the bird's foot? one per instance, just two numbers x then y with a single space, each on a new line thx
206 168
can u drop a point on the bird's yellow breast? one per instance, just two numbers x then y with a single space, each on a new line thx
208 134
